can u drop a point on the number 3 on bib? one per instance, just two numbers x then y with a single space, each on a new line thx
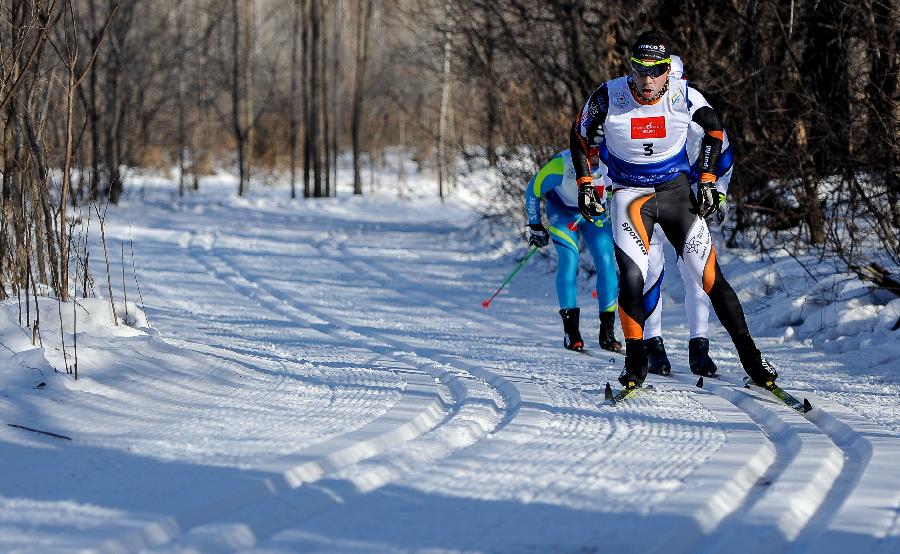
648 148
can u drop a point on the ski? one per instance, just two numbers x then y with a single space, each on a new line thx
616 396
781 394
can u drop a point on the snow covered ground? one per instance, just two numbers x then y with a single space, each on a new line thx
305 376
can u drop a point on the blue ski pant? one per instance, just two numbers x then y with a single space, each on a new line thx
599 241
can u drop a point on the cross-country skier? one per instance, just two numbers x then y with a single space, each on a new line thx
696 302
555 182
642 122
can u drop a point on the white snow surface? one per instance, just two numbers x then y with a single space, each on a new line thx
320 376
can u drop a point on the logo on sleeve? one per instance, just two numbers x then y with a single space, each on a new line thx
648 127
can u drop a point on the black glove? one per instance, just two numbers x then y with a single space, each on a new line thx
539 236
706 199
590 202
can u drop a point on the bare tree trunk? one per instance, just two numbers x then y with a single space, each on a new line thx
249 21
308 115
94 113
445 102
491 90
326 113
237 95
362 54
180 92
71 84
336 85
891 61
295 38
115 107
315 97
199 153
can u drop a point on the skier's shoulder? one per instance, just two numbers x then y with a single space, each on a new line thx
697 96
559 159
598 101
556 165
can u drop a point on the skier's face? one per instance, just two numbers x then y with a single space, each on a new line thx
649 86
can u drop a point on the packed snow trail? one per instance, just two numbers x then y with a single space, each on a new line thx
325 379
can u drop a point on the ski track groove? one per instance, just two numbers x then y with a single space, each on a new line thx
309 465
410 287
520 419
389 344
411 290
301 408
870 506
268 296
763 454
796 485
833 458
838 467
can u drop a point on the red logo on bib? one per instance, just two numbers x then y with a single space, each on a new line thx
648 127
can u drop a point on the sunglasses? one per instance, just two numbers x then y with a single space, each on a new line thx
652 69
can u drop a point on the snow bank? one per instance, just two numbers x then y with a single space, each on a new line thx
800 298
28 359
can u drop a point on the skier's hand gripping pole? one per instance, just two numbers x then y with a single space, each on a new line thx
530 253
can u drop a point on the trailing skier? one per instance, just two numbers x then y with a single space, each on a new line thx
555 183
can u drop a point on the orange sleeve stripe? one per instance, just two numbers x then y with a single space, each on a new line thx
583 180
717 134
582 141
634 213
630 328
709 271
584 147
708 178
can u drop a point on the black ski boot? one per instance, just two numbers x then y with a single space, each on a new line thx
657 360
572 339
755 364
635 364
698 357
607 338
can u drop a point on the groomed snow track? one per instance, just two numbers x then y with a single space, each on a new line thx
494 438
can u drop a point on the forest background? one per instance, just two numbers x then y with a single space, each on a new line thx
280 89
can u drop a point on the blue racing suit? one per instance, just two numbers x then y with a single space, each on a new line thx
555 182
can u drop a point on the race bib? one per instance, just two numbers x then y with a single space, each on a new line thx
648 127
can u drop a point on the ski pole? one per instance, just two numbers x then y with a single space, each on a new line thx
530 253
579 220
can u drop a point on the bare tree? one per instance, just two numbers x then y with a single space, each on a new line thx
364 20
73 82
445 101
239 125
294 112
180 92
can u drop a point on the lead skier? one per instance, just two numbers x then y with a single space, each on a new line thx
642 122
555 182
696 302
